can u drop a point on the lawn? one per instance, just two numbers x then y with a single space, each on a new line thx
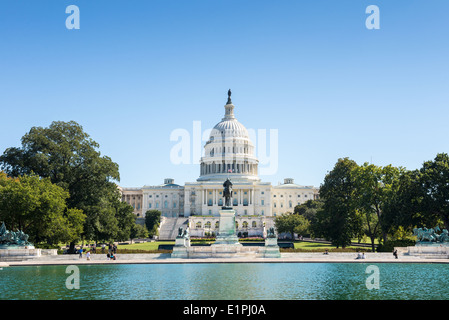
149 246
314 246
299 245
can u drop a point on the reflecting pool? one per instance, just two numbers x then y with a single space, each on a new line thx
229 281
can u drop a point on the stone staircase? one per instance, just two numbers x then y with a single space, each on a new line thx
169 227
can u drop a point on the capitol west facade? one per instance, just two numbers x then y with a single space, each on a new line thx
228 153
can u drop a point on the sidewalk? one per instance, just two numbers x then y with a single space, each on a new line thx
313 257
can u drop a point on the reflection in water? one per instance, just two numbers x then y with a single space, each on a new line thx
228 281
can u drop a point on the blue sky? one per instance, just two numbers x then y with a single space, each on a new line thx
137 70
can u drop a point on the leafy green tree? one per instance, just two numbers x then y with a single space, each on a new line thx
38 208
152 221
374 186
126 220
403 208
338 221
435 184
66 155
291 223
139 231
309 209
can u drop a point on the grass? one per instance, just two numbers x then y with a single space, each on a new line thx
321 247
299 246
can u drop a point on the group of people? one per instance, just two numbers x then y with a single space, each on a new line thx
111 255
361 255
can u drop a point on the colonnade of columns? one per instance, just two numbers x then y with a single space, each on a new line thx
223 167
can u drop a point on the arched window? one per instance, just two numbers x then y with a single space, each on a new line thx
217 225
245 224
290 203
198 225
254 224
207 225
236 225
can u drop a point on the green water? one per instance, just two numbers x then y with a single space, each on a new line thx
228 281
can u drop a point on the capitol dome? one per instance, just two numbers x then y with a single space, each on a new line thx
229 151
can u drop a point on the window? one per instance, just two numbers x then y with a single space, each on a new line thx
245 202
220 202
262 192
174 204
274 204
290 203
165 204
157 204
234 202
254 224
262 212
149 205
207 225
262 202
245 224
217 224
198 225
209 202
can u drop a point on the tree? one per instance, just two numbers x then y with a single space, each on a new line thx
139 231
339 220
435 188
291 223
38 208
126 220
374 186
403 208
66 155
309 209
152 221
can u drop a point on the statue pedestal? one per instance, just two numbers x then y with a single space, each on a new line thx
226 235
181 248
271 248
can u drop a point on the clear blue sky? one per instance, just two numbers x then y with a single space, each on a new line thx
137 70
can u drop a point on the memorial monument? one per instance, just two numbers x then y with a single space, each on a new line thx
226 229
430 243
14 245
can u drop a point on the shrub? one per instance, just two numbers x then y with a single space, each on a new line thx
389 245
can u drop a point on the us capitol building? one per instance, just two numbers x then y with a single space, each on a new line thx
228 153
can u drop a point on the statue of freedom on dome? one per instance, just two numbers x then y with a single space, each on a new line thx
229 97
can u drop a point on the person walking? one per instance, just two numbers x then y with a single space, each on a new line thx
81 252
395 253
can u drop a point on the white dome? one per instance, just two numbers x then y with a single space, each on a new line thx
230 128
229 151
